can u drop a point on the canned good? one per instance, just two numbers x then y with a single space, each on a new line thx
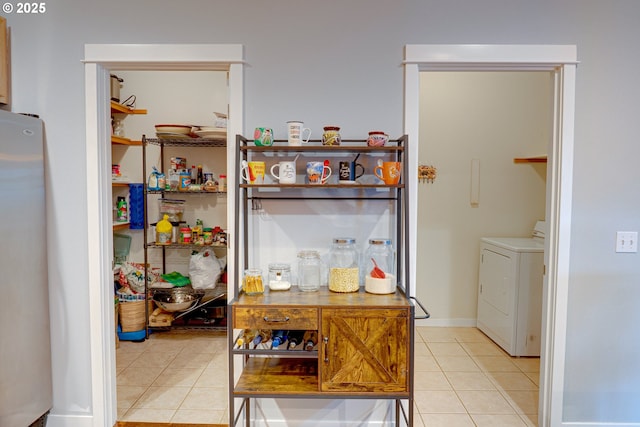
185 235
178 163
207 234
222 183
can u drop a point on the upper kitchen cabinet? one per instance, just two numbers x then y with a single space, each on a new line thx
4 63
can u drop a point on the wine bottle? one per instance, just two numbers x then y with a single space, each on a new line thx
295 338
247 336
278 338
310 340
263 336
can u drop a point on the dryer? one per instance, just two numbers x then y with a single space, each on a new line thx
510 292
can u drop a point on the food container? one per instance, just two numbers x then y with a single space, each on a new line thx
377 138
309 271
279 277
252 283
378 267
381 250
344 271
173 208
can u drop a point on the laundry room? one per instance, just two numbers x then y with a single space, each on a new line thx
486 134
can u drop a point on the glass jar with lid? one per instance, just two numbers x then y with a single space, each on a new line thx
344 271
279 276
252 283
378 266
379 252
309 270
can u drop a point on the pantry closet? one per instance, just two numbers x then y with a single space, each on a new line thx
188 342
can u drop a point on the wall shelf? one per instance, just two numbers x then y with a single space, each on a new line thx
124 141
533 159
120 226
119 108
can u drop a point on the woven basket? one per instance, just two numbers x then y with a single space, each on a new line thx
132 315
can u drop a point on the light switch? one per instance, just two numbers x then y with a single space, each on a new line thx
627 241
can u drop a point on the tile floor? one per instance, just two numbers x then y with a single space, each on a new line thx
461 379
179 376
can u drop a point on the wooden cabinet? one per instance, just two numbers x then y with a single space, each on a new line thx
365 340
364 350
363 346
4 62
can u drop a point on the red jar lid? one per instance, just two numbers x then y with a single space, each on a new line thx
376 132
331 128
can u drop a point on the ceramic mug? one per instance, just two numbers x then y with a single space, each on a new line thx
253 172
377 138
295 133
263 137
389 172
286 172
317 172
347 171
331 135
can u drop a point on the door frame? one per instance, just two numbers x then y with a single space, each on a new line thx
99 61
561 60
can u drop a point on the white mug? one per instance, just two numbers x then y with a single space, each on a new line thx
286 172
295 132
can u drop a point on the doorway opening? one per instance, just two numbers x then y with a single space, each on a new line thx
561 62
100 61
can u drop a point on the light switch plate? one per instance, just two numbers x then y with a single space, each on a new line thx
627 241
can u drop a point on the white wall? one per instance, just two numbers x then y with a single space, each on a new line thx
492 117
349 72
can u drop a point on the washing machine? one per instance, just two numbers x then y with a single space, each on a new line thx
510 291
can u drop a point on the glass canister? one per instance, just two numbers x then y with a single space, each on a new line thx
252 283
379 267
309 270
344 271
381 251
331 135
279 276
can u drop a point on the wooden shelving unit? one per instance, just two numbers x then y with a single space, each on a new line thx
117 108
365 341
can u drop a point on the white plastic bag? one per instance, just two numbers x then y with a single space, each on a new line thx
205 269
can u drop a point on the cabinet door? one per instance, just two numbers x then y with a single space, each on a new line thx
364 350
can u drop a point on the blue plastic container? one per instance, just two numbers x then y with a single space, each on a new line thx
136 206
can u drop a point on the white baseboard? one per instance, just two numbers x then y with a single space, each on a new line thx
54 420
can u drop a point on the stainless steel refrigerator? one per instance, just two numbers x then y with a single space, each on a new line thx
25 343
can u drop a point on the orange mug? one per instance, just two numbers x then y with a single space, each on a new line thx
389 172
